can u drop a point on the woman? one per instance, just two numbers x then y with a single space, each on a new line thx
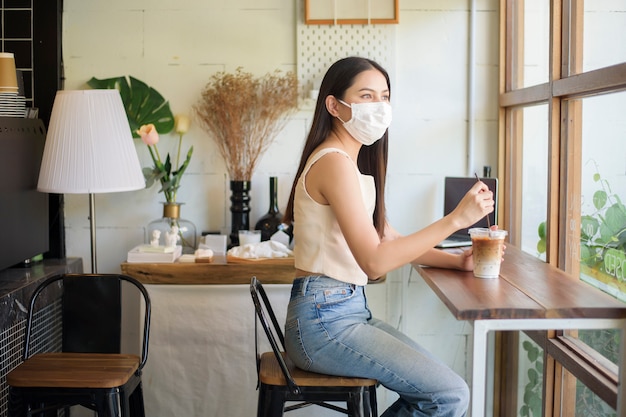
342 239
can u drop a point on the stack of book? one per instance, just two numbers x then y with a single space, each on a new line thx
154 254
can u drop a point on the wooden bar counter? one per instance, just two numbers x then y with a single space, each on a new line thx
218 272
528 295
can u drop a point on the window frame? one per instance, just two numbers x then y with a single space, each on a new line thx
564 361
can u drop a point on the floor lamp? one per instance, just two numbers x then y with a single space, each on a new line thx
89 149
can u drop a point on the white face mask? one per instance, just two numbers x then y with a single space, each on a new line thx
369 120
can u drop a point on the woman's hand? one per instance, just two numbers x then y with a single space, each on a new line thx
466 260
476 204
495 227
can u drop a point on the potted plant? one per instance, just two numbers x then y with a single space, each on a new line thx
243 114
149 115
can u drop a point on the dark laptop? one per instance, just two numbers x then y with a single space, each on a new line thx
454 190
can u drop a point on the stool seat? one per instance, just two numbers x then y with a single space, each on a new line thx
270 373
74 370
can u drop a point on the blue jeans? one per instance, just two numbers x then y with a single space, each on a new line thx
330 329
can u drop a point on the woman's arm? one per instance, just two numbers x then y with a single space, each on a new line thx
453 259
332 180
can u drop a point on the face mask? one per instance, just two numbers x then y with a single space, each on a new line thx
369 121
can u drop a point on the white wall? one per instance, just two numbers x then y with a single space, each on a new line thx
175 46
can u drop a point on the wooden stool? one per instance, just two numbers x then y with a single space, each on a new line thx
106 382
280 381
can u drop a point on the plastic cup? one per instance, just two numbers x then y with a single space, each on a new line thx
249 237
487 249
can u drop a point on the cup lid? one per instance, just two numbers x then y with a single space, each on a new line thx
485 232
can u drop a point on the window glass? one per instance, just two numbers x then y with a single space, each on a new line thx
534 179
604 23
603 341
530 378
535 45
588 403
603 194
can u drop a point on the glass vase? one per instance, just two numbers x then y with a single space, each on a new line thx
270 222
171 217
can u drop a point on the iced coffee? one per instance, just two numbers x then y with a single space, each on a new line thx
487 248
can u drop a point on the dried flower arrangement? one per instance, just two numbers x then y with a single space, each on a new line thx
243 114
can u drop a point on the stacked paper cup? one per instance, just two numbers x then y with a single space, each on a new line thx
11 104
8 75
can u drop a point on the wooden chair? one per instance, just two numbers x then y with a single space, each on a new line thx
90 371
280 381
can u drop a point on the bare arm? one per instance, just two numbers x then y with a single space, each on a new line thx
453 259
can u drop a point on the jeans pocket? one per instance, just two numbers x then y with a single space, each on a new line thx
332 296
340 307
294 346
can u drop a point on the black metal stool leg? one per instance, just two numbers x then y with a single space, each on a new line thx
136 402
16 406
276 405
110 406
357 405
373 402
262 402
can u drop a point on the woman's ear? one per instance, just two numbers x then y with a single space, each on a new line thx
331 105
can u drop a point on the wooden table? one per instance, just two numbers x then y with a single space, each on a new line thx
220 271
234 271
528 295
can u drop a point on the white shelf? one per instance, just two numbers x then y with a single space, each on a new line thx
350 12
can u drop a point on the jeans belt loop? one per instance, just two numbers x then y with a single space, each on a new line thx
304 284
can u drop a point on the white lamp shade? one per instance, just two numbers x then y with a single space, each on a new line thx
89 147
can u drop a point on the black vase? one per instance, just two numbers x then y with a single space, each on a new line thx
270 222
239 209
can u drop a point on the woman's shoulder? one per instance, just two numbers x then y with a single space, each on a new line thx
329 157
335 168
325 150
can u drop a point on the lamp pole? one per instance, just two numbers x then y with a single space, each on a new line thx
92 230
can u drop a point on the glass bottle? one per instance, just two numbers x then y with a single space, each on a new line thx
171 217
271 221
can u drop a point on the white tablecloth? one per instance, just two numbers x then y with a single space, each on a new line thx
201 358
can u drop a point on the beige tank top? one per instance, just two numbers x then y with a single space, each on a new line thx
319 244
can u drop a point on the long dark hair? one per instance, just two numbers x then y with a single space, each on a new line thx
372 159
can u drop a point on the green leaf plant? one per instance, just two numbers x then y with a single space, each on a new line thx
168 174
147 111
143 104
603 232
533 389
